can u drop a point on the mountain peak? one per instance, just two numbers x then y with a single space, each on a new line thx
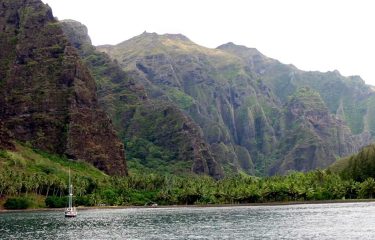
153 43
232 47
77 32
178 36
149 34
170 36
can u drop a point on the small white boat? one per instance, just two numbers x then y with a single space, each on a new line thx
70 211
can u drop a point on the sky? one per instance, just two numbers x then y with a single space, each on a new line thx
313 35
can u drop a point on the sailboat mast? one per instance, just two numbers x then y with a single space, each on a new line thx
70 191
70 211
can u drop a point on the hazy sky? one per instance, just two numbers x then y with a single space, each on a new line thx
319 35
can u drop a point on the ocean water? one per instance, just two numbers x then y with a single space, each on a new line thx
304 221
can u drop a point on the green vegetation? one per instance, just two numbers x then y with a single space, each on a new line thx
17 203
29 174
236 95
310 99
56 201
32 179
144 156
354 115
183 100
359 167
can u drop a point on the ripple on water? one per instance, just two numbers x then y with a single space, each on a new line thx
318 221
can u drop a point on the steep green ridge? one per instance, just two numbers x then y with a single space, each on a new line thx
212 87
311 133
255 112
158 136
47 96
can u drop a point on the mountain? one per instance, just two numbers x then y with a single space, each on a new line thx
200 81
159 137
177 106
48 98
257 115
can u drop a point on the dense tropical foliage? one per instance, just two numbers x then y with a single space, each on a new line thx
169 189
31 178
358 167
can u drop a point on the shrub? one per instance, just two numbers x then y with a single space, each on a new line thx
17 203
56 202
84 201
4 154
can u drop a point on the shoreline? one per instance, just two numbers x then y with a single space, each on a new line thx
195 206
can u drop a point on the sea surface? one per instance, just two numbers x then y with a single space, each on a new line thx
305 221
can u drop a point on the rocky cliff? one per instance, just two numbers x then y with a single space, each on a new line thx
158 135
251 108
47 95
313 137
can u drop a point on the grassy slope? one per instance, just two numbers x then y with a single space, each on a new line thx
40 169
27 160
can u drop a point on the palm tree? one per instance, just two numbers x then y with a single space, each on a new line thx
367 188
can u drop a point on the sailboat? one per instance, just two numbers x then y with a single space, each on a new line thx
70 211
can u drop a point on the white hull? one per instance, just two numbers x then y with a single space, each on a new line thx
70 212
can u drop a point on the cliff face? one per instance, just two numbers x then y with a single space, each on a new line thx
47 95
158 135
241 100
313 137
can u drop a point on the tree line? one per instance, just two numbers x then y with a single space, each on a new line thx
189 189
